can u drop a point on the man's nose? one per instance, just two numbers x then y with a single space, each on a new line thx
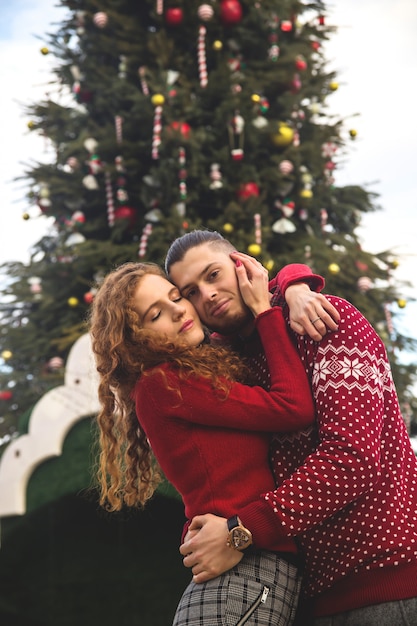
208 293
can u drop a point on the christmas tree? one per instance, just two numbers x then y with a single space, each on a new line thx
165 116
170 116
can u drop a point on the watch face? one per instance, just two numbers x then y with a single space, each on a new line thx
240 538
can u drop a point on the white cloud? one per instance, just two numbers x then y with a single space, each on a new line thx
374 53
24 74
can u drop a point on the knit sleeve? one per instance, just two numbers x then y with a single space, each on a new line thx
297 273
287 406
350 376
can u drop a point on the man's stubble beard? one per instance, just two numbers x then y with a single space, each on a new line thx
233 325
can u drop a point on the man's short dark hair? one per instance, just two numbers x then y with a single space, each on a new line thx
181 245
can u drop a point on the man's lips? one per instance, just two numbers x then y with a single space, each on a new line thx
220 308
186 326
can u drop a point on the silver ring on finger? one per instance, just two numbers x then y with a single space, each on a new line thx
316 320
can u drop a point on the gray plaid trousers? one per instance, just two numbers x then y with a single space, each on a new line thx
262 590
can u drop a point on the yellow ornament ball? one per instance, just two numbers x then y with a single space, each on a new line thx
217 45
6 355
157 99
255 97
306 194
26 216
284 136
395 264
334 268
333 86
402 303
353 133
73 302
228 228
31 125
254 249
44 50
269 265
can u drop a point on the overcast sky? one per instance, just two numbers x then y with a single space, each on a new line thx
374 54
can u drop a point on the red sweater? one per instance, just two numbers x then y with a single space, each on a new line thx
216 451
348 490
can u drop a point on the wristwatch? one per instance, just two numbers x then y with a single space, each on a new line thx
239 537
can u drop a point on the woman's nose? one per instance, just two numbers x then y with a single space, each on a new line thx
178 310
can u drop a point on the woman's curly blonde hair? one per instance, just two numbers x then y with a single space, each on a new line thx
128 473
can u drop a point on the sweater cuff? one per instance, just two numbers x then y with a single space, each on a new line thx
274 311
265 525
299 273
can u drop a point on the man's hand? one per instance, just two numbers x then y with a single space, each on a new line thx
205 550
310 312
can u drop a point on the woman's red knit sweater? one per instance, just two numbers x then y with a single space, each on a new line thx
216 451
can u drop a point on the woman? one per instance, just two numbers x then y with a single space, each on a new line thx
166 393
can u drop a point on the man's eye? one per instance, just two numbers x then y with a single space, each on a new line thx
190 294
214 274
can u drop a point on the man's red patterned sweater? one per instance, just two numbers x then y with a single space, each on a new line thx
348 489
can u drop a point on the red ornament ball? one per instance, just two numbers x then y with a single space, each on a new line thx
286 26
182 128
300 63
248 190
6 395
174 16
89 297
230 12
126 213
78 217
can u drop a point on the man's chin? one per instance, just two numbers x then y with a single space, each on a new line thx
231 325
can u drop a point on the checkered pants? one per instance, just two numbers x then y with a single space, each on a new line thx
262 590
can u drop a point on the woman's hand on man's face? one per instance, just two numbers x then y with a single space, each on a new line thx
253 282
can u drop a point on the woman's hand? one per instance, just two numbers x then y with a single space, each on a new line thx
253 282
310 312
205 549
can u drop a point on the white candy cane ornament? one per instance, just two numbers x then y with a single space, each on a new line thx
323 218
201 50
118 122
157 129
182 174
109 198
258 231
236 128
388 318
142 78
143 244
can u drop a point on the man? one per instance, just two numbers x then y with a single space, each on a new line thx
347 491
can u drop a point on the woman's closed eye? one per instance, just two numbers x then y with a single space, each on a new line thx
155 316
